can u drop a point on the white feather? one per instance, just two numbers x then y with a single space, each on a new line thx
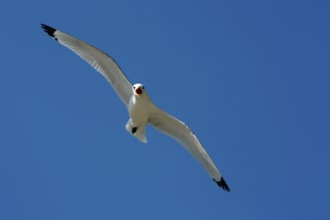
140 107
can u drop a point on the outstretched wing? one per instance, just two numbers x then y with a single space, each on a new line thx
102 62
181 132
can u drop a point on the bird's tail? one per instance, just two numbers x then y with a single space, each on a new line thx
138 132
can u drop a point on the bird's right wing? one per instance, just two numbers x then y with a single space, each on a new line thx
181 132
102 62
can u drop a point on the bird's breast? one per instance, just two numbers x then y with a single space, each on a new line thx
138 109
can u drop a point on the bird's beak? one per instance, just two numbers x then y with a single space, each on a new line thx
138 91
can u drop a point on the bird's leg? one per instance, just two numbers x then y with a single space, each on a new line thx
134 130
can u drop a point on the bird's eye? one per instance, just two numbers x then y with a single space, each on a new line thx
133 87
142 87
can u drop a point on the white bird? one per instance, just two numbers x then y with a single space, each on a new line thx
141 109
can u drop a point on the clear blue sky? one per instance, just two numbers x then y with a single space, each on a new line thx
251 78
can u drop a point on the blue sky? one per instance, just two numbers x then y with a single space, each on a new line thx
251 78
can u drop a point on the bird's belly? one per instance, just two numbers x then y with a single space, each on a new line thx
138 112
139 116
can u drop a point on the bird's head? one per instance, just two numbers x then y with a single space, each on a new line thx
138 89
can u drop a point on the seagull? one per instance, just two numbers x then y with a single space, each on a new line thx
142 111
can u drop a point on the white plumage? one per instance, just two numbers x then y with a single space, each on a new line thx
141 109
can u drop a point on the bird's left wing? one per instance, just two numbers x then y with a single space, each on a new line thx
181 132
102 62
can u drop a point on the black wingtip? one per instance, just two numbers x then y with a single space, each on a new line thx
222 183
49 30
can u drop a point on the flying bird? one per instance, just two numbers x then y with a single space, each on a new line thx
141 109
